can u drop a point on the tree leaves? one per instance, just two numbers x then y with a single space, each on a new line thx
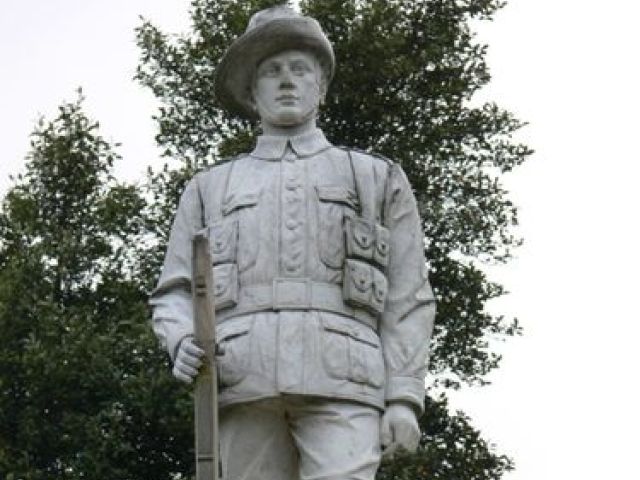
85 391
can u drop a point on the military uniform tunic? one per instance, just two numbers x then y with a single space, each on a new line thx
281 220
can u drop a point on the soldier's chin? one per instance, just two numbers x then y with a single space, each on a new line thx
289 118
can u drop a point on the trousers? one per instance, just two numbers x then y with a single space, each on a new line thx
297 437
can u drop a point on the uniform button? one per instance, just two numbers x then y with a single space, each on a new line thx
292 267
291 224
291 184
290 158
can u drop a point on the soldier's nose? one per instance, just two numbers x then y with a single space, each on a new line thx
285 79
288 84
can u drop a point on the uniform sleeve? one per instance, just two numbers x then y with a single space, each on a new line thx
407 322
171 300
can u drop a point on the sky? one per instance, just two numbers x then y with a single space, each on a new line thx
564 402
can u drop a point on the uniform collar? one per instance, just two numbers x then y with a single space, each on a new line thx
273 147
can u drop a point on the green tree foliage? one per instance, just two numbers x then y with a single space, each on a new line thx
407 71
84 390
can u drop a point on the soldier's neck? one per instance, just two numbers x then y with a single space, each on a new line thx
288 131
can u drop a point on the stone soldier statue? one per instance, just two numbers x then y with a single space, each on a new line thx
321 293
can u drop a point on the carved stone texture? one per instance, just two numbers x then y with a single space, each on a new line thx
323 308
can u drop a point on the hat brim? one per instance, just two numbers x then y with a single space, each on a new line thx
235 71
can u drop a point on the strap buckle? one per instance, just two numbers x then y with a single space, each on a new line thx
291 293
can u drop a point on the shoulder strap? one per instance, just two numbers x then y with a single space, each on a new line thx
364 179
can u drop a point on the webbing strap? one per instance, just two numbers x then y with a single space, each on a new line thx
295 294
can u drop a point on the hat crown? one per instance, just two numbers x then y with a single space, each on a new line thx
269 14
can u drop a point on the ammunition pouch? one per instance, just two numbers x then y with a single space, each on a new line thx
367 240
364 286
367 244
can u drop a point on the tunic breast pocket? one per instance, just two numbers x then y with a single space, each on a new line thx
243 208
223 236
335 203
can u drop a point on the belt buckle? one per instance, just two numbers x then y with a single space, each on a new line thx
291 293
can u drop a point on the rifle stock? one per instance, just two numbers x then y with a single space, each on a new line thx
206 386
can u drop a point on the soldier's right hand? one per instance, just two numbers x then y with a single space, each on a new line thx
188 360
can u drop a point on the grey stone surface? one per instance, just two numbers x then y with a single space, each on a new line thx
323 303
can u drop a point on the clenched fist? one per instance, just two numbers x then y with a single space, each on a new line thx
399 429
188 360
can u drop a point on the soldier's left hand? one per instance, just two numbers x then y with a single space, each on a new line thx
399 429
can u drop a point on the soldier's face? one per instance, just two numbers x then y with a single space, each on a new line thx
288 88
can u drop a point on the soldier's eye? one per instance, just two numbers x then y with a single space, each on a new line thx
300 68
270 70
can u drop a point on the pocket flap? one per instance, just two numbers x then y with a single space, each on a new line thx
350 328
232 328
363 232
338 194
237 200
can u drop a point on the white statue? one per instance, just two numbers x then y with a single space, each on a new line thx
323 304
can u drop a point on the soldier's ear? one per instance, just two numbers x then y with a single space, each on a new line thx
251 99
323 88
251 91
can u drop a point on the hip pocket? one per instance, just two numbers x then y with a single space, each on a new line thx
234 339
351 351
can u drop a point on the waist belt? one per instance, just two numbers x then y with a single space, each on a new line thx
294 294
